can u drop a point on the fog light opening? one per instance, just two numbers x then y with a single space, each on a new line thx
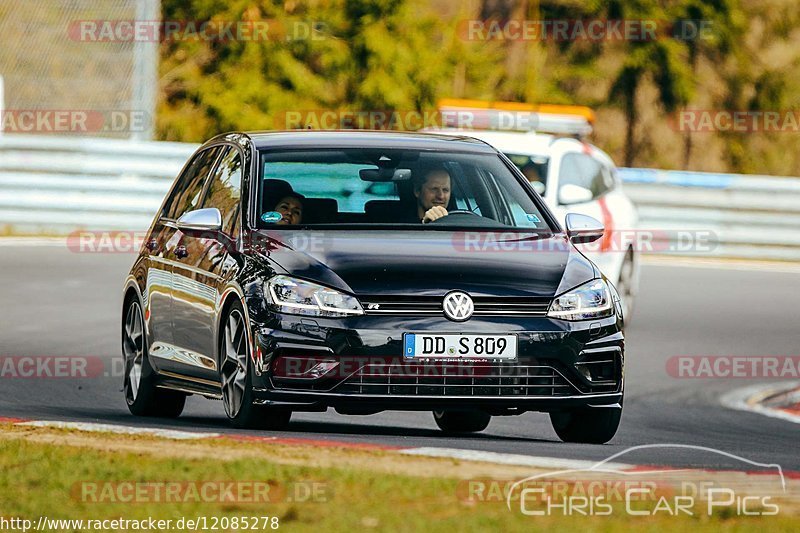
303 367
320 369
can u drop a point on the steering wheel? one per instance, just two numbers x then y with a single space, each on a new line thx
462 212
455 212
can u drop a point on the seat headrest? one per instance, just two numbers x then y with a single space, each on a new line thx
272 191
320 210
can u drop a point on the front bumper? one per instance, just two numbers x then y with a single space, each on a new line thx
356 364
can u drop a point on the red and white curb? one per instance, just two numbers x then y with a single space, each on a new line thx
780 401
508 459
451 453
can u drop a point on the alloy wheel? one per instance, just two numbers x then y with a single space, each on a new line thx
234 363
133 348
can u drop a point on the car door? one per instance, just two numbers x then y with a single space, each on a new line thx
202 261
184 195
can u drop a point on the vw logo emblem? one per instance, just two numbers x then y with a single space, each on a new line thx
458 306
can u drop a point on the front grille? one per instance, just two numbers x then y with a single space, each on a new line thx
417 379
432 305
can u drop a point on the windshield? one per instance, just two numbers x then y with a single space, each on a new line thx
412 188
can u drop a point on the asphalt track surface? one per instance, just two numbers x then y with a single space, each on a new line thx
56 302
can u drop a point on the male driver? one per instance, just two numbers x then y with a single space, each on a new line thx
433 195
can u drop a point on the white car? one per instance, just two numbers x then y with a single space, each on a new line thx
576 177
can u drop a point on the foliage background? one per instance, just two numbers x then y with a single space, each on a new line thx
405 54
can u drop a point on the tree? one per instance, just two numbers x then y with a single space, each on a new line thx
658 60
710 29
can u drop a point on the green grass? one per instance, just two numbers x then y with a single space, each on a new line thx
43 479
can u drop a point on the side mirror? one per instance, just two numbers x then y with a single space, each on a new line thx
570 193
208 219
583 228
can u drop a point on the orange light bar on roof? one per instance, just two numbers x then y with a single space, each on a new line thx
516 116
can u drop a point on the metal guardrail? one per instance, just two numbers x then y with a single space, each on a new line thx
746 216
56 185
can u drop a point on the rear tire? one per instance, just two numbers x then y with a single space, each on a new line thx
236 377
590 425
141 394
457 421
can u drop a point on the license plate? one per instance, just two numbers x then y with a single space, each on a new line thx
444 346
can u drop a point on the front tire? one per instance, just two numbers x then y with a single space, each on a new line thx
591 425
462 421
237 379
141 394
626 286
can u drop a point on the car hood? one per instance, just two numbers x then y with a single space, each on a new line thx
428 263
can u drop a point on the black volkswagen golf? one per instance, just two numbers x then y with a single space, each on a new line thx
369 271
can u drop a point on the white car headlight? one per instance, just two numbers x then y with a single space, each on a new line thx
299 297
590 300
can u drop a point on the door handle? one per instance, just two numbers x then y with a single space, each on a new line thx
181 252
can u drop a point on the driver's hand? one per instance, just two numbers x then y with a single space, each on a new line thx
434 213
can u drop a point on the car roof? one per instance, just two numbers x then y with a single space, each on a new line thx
364 139
517 142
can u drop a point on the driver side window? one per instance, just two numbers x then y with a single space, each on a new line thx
224 190
187 194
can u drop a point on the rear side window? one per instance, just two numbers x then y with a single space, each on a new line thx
584 171
224 190
186 196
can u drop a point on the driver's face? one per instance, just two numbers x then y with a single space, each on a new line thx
435 190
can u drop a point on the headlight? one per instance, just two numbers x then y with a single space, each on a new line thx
290 295
590 300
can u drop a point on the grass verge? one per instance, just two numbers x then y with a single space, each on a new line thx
76 475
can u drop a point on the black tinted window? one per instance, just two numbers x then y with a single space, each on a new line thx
186 195
224 191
